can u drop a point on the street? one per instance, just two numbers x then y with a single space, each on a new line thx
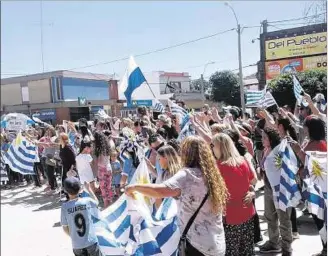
30 225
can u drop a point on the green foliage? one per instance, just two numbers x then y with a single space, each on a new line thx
312 81
225 88
197 83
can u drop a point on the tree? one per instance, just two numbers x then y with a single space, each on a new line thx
312 82
225 87
197 83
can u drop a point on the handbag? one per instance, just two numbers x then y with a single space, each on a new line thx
50 160
185 248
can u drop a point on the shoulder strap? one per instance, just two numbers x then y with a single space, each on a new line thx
193 217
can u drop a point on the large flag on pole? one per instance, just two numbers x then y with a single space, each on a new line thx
132 79
21 156
128 227
253 97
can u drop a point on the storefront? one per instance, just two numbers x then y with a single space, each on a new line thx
46 115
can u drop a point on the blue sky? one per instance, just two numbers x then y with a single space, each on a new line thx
81 33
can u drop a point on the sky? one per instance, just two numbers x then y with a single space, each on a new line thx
81 33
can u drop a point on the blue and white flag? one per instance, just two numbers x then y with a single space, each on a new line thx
131 80
267 101
158 106
128 227
315 184
298 91
176 109
281 167
253 97
21 156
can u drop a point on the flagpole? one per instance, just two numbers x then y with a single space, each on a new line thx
150 89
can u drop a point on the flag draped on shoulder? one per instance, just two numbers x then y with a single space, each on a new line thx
128 227
132 79
315 184
298 90
21 156
281 167
315 187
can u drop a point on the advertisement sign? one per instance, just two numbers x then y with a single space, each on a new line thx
138 103
279 67
46 114
297 46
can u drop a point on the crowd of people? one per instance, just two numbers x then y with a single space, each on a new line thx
212 173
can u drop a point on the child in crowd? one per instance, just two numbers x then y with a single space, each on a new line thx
116 172
83 164
76 219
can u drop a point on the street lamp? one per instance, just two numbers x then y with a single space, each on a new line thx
202 79
242 99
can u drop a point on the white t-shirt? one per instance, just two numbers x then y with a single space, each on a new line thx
84 168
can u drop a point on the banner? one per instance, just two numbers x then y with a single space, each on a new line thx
279 67
297 46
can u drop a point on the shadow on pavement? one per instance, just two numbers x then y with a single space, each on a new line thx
27 196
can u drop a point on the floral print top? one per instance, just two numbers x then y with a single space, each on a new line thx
206 233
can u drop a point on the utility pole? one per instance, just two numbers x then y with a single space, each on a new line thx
202 87
241 82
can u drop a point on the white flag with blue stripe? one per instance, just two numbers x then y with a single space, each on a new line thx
158 106
298 90
281 167
131 80
21 156
128 227
253 97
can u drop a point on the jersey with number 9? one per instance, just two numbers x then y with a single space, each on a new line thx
77 215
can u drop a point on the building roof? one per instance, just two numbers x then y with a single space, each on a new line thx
58 73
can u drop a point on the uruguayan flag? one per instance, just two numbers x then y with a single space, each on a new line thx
297 92
265 102
253 97
176 109
158 106
128 227
4 174
281 168
21 156
131 80
315 184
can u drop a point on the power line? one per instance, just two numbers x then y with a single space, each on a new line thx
301 18
154 51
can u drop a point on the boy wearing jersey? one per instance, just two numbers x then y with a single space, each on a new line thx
77 221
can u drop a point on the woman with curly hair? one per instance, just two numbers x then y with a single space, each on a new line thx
198 181
240 212
104 172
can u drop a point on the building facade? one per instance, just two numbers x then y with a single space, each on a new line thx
58 95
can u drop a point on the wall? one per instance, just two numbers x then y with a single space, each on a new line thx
62 114
11 94
39 91
184 81
90 89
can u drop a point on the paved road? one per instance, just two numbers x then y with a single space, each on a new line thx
30 226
